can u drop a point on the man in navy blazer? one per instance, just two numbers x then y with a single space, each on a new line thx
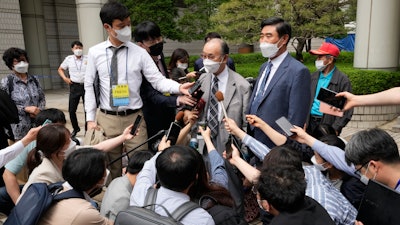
282 89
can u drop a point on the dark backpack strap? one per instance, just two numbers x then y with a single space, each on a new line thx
69 194
10 80
184 209
150 199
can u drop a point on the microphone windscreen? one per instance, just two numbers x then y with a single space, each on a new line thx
219 96
179 116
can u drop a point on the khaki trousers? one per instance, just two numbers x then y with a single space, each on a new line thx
114 126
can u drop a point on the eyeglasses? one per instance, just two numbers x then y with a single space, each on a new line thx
209 56
358 171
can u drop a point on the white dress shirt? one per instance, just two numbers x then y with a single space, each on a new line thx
76 67
222 82
276 62
133 61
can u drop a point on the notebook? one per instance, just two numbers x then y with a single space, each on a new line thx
380 205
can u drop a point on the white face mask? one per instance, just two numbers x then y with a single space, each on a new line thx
319 64
211 66
183 66
269 50
320 167
364 179
78 52
124 34
70 149
21 67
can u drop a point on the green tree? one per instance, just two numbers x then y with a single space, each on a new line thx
162 12
239 20
194 20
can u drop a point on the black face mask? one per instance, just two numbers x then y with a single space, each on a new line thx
156 50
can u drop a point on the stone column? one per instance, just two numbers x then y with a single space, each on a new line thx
91 30
35 40
377 42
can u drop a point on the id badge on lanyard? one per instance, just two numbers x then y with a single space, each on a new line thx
120 95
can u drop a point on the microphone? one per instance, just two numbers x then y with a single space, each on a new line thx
158 134
201 71
220 98
179 118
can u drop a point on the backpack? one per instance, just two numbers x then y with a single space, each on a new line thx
35 202
146 215
221 214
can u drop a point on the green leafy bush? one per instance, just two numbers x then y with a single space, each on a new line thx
362 81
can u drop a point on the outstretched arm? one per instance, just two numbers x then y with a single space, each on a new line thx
387 97
251 173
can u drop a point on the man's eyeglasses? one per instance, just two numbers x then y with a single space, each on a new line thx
211 57
358 171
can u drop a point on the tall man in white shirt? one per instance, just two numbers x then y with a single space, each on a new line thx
120 78
76 66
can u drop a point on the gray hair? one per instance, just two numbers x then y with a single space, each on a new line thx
372 144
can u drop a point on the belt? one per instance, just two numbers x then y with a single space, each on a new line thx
316 118
77 83
120 113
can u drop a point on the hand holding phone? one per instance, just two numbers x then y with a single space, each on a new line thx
228 147
285 125
136 125
173 132
329 97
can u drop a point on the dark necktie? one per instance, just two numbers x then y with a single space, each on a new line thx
114 71
260 91
213 117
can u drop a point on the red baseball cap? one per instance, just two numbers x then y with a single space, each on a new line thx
326 49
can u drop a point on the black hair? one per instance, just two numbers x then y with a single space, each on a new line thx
282 27
113 10
78 43
372 144
14 53
332 139
283 155
283 187
177 167
84 168
53 114
137 160
146 30
50 139
212 35
322 130
178 54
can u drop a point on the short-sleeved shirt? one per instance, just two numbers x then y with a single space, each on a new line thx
76 67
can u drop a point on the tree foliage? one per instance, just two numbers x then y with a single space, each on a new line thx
162 12
239 20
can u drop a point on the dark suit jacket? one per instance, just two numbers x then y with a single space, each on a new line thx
288 94
158 109
236 101
339 82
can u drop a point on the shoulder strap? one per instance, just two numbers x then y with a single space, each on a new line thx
69 194
150 199
184 209
10 80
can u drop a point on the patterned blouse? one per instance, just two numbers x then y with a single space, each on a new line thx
24 94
